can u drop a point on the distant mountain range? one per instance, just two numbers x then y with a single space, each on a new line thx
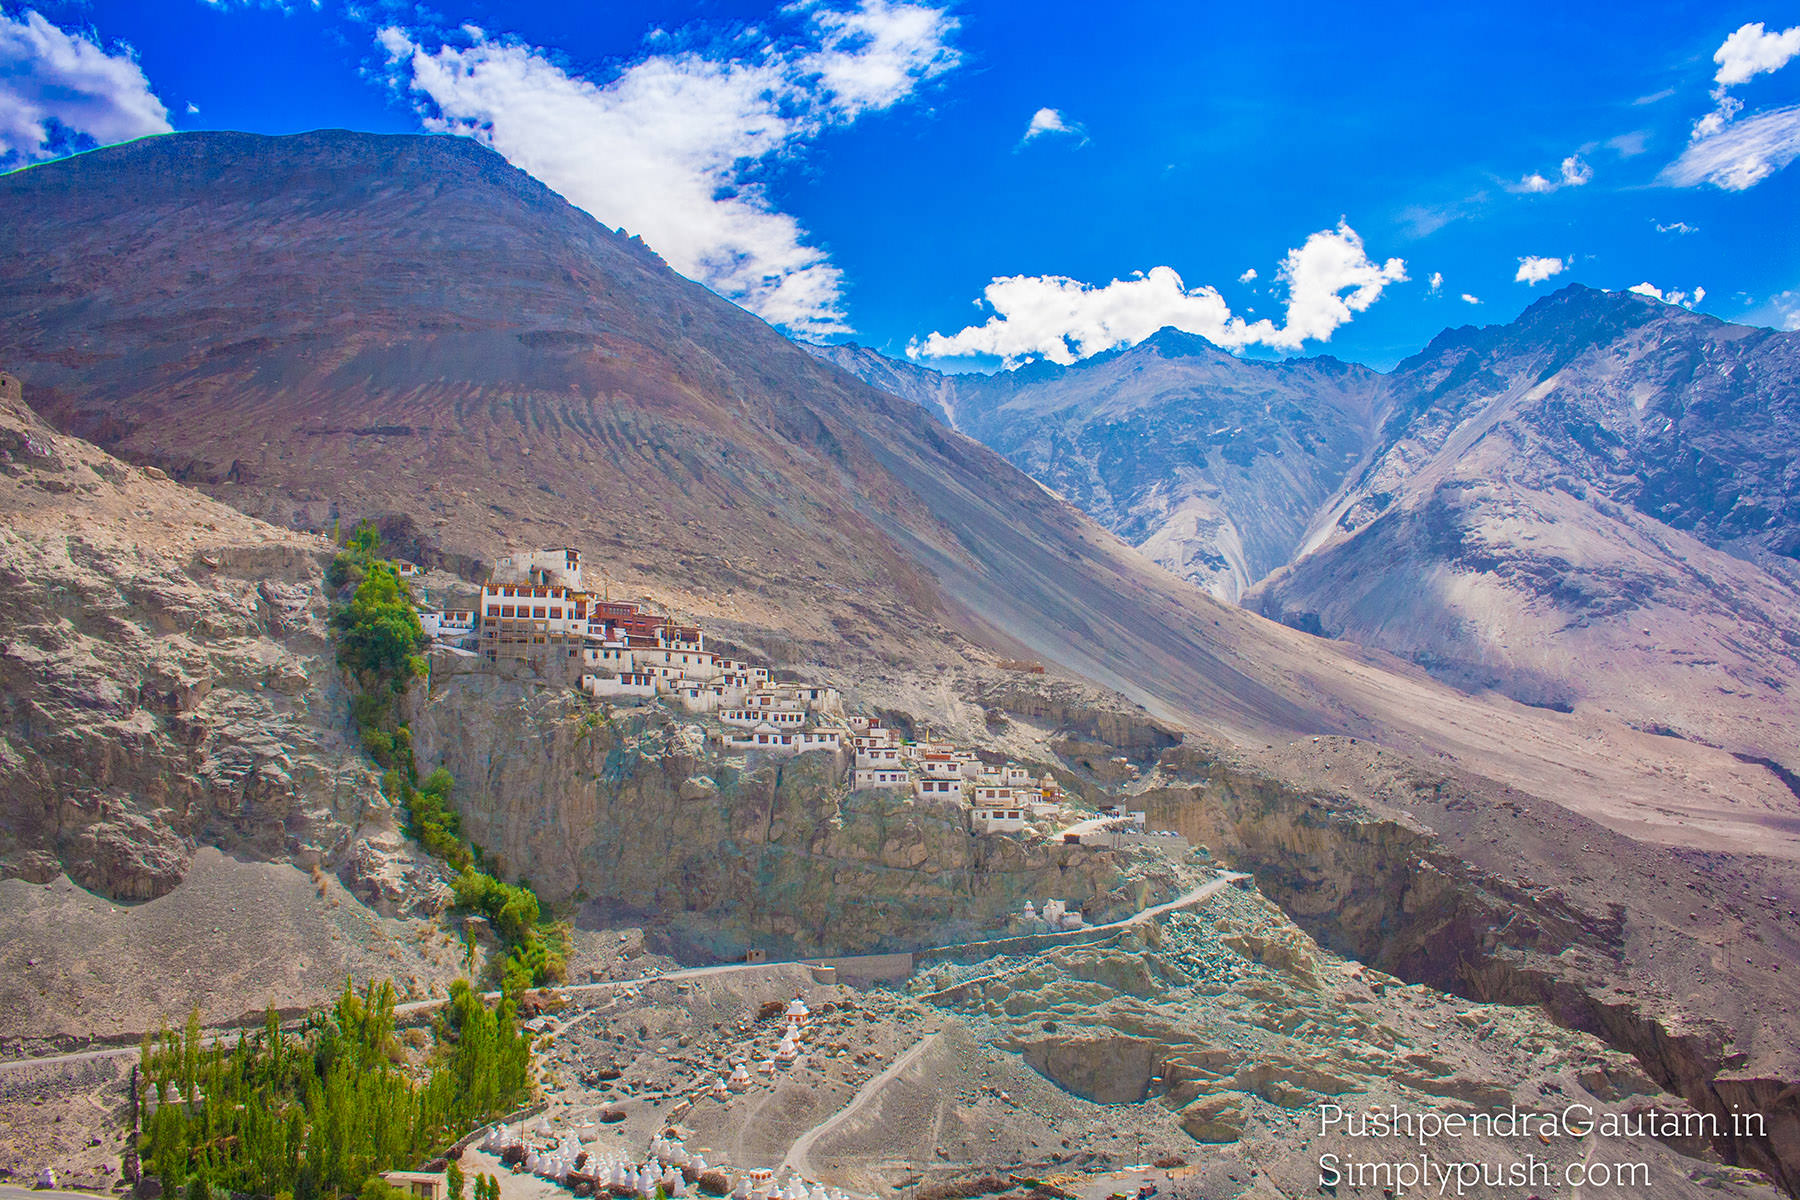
1595 506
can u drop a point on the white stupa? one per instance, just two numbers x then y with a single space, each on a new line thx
720 1090
797 1010
740 1078
789 1051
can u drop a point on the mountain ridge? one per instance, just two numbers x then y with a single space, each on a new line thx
1595 482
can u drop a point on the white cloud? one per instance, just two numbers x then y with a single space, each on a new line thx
1784 310
1046 121
1740 155
1676 227
61 92
1726 108
1437 281
1534 270
1330 277
1629 145
1249 275
1735 157
671 146
1750 51
1468 299
1571 173
1684 299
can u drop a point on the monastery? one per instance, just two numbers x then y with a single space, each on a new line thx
534 608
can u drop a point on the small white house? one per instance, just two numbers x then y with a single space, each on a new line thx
983 819
625 684
938 789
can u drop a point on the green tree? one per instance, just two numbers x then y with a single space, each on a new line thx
453 1179
378 631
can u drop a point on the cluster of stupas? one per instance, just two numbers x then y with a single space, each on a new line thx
546 1155
786 1053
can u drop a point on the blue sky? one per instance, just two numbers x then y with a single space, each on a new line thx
979 183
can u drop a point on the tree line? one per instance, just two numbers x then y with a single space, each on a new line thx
380 644
321 1111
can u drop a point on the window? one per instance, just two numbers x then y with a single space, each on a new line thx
538 612
493 610
507 611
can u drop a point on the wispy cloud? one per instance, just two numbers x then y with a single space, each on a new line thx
61 92
1329 279
673 144
1534 269
1629 145
1783 310
1048 122
1741 155
1437 281
1468 299
1680 227
1573 172
1730 154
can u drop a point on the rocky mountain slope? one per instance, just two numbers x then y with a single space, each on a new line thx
1588 509
166 677
1593 507
408 328
1212 466
179 787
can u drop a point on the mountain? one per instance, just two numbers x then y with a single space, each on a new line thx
1591 507
328 326
1588 509
320 328
1210 465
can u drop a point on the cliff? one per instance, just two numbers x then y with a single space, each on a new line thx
165 677
637 812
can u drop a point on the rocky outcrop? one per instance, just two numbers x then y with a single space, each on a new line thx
638 811
165 678
1377 882
1243 1027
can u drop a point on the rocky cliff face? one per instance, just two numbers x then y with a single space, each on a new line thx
165 679
638 812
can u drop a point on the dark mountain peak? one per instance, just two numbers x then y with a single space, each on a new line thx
1568 319
1171 342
